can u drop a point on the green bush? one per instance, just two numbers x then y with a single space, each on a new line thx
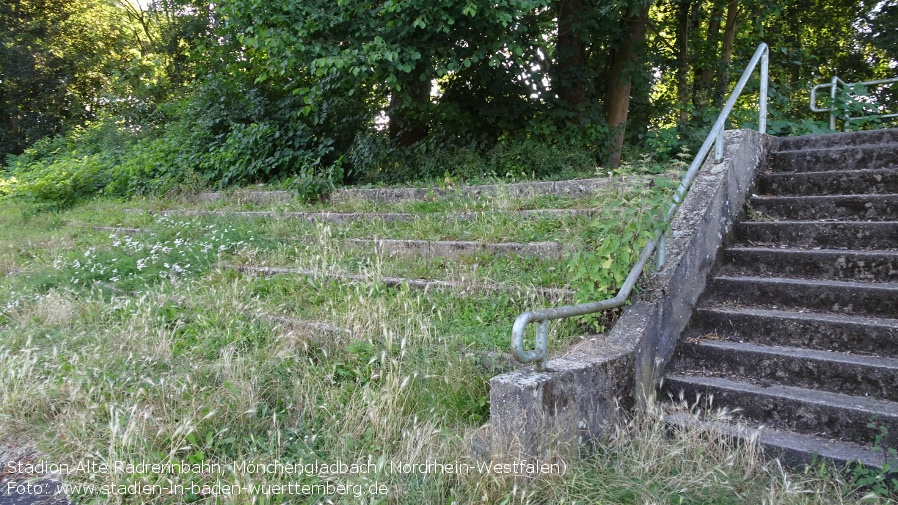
58 183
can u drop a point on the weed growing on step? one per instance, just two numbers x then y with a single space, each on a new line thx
614 240
882 482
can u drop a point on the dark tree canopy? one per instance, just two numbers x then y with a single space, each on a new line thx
242 91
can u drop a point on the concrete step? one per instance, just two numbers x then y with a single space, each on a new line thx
876 181
833 235
868 266
559 295
349 217
837 207
842 297
837 139
573 188
809 330
841 158
795 449
838 372
819 413
456 248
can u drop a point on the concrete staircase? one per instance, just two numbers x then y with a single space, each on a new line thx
797 330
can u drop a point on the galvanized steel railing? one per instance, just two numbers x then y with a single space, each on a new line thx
539 355
833 91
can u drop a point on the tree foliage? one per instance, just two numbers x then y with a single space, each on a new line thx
56 59
328 92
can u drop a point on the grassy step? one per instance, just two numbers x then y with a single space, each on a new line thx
481 318
822 413
487 227
423 248
868 299
810 330
879 181
794 448
484 267
562 189
456 248
877 266
854 235
347 217
557 294
867 137
839 207
821 370
840 158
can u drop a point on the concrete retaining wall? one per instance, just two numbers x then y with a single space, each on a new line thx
584 389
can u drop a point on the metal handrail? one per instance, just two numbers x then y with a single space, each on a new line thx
539 355
833 90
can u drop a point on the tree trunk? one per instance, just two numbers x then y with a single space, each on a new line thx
407 107
617 96
683 61
711 41
726 53
571 73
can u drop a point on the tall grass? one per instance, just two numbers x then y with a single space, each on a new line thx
196 368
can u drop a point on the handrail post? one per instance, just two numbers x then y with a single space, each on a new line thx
762 113
832 103
718 147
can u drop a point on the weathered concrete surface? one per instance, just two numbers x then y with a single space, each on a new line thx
822 332
532 414
827 414
805 368
836 158
887 136
579 394
556 294
830 235
842 207
868 266
875 181
566 189
845 297
796 449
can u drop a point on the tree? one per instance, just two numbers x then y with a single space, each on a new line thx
55 60
624 62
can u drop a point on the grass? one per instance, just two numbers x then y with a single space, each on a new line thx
111 355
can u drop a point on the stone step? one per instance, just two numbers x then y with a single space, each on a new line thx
834 235
868 266
795 449
843 297
456 249
841 158
819 413
574 188
877 181
836 207
838 372
118 230
809 330
837 139
349 217
552 294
